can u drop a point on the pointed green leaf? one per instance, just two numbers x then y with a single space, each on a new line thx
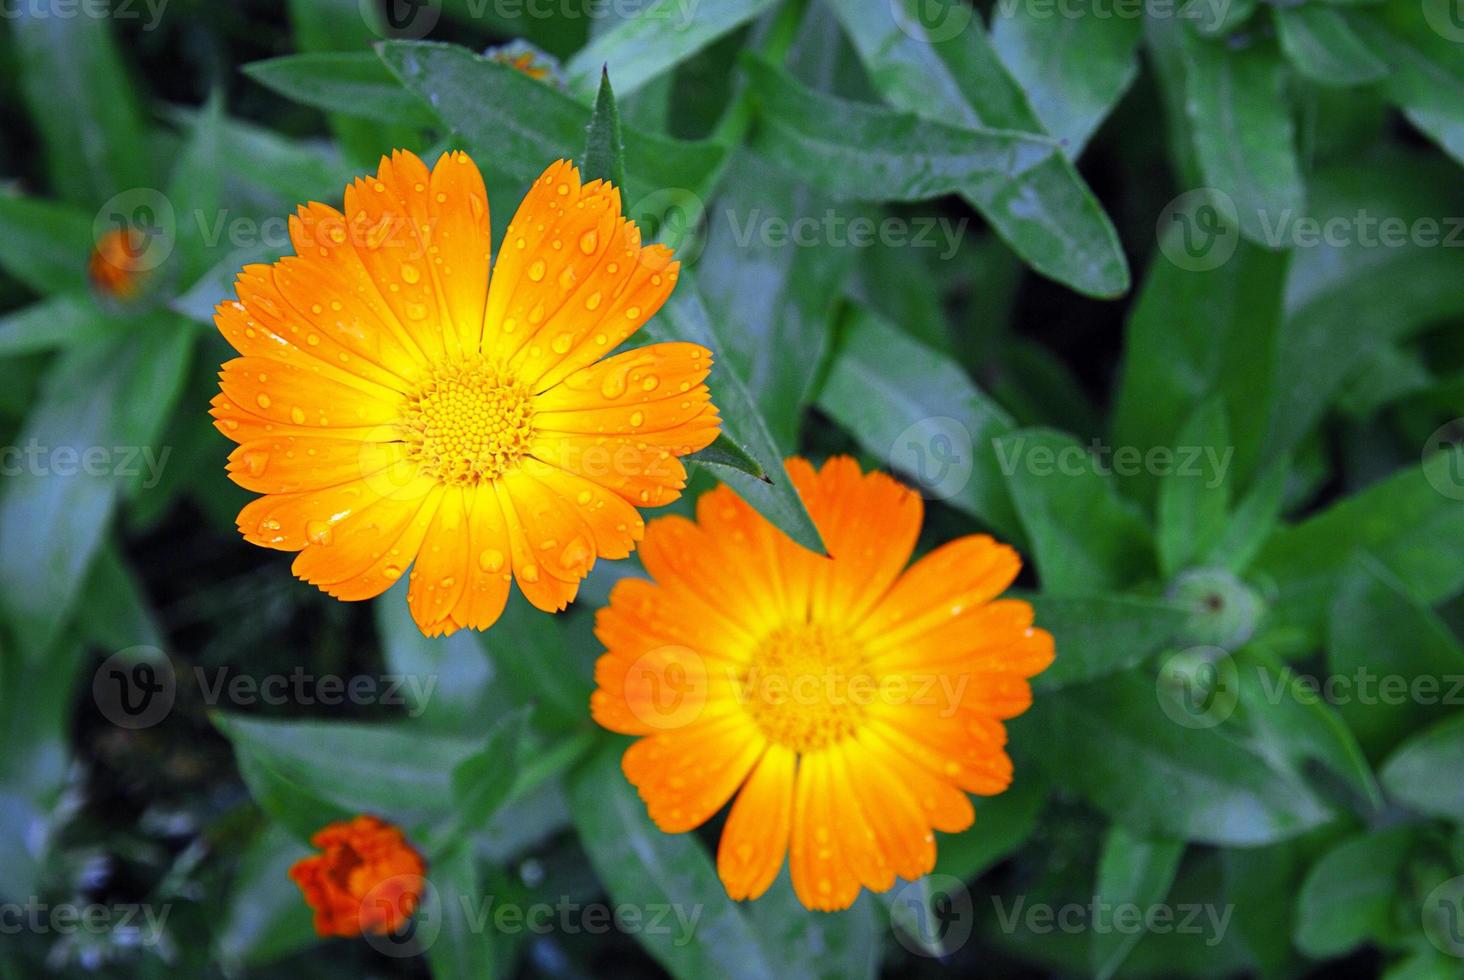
1131 870
1243 134
1021 183
685 318
354 83
917 411
1073 67
604 156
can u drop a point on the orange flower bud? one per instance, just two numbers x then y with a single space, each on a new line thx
369 878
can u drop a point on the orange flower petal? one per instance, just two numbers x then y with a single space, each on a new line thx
687 775
291 395
290 463
822 878
755 838
441 572
368 551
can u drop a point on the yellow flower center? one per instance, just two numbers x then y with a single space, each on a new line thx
468 422
807 686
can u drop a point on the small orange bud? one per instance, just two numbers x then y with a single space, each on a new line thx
369 878
117 265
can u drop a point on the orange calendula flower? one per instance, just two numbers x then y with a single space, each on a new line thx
850 704
118 265
393 405
369 879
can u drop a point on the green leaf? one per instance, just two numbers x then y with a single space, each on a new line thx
64 320
725 452
1098 635
1396 655
86 442
1250 525
1193 334
1194 498
453 689
45 244
1021 183
1111 742
118 614
352 83
195 190
1399 521
308 773
1427 78
1420 775
684 317
1131 870
639 864
769 289
604 157
1073 67
533 660
462 946
1243 134
266 917
1003 824
946 70
1320 42
518 126
1289 722
82 103
482 782
1084 537
348 26
659 36
1348 896
1346 301
824 945
919 412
